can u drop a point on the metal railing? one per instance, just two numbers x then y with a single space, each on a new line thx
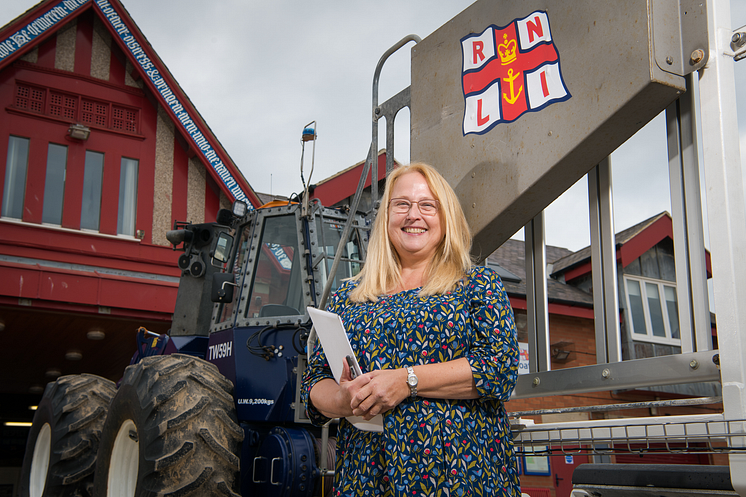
702 434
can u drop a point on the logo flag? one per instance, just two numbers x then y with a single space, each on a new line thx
508 71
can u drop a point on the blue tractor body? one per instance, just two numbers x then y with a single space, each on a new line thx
246 283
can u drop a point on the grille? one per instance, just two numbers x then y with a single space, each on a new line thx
30 98
124 119
61 105
75 108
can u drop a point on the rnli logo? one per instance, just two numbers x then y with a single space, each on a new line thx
509 71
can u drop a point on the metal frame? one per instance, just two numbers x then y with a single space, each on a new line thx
537 306
727 227
726 432
726 217
389 109
691 288
239 318
619 407
320 256
706 433
652 371
686 207
217 324
603 264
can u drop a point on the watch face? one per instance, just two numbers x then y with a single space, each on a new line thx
412 380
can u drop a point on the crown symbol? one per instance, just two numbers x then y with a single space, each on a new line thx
507 50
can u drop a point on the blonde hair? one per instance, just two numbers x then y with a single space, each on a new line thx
381 273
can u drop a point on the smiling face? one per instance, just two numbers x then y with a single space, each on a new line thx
414 236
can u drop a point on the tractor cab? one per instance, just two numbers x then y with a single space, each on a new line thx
280 264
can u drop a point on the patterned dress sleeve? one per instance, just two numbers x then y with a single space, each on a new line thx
494 351
317 368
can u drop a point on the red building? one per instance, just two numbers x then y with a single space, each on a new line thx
101 152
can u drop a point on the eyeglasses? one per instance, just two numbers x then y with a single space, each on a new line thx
427 207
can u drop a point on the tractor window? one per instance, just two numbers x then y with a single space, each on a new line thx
276 289
226 310
350 263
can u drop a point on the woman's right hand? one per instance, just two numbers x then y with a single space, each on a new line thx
349 387
333 400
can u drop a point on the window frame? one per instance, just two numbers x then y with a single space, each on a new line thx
129 183
648 336
249 260
93 185
260 259
53 185
12 188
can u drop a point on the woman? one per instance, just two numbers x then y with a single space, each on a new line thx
437 339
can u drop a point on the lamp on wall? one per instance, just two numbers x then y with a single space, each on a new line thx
561 351
78 131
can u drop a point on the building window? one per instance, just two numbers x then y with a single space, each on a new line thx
127 197
54 184
92 181
15 177
652 310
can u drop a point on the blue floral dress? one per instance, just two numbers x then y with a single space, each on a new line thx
430 446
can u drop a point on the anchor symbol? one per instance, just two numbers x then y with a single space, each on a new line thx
513 96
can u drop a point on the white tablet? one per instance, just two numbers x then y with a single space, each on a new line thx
336 344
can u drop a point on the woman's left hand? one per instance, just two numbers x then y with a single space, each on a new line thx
385 390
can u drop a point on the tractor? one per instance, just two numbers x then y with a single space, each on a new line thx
228 372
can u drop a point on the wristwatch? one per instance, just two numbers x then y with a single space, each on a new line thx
412 381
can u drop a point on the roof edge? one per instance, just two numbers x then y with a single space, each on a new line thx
43 20
173 99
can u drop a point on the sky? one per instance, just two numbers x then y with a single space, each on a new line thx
258 72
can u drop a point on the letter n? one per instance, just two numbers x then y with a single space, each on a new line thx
534 27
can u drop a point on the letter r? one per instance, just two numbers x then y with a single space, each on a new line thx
478 48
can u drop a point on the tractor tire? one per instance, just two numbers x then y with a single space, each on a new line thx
171 430
63 442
